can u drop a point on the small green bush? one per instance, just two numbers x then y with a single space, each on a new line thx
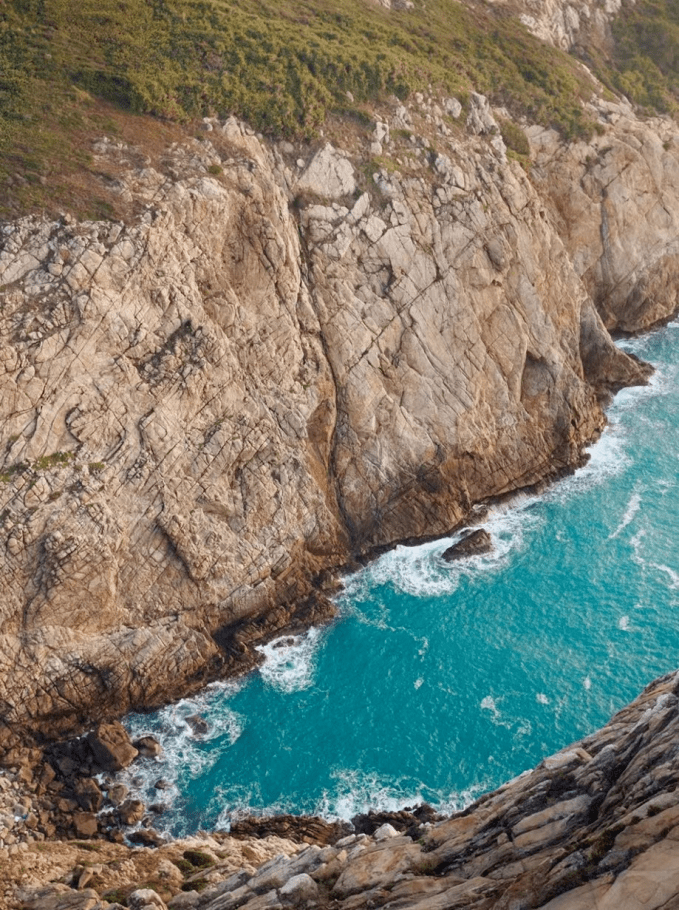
645 62
198 859
55 460
514 137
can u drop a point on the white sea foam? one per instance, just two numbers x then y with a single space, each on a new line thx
352 792
184 755
541 698
488 704
630 512
456 802
356 792
672 575
607 458
636 543
289 664
420 571
519 726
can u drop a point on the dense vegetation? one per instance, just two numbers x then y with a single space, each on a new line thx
646 56
282 64
70 70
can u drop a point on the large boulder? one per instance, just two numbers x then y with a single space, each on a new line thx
111 747
474 543
329 174
88 794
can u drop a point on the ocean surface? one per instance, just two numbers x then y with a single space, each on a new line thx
439 682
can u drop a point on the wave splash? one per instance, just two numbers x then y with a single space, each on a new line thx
289 661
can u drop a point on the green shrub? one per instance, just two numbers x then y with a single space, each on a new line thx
198 859
55 460
280 64
645 63
68 70
514 137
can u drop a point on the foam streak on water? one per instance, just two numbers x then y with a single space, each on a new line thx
441 681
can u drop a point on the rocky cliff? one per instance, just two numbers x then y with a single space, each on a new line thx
583 23
287 357
290 356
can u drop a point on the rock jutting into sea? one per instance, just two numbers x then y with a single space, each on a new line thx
472 543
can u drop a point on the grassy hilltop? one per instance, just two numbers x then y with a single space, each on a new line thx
72 70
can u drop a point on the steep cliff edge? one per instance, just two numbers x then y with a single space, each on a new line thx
613 200
295 355
567 24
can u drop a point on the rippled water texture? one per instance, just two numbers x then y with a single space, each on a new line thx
440 682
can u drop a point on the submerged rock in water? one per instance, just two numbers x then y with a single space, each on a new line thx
198 724
474 543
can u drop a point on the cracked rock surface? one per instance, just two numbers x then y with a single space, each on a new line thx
279 366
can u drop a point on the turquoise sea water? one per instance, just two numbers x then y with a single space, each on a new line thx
440 681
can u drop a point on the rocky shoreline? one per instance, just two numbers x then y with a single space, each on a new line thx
201 474
594 825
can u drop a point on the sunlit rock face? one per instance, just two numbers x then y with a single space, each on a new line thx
282 364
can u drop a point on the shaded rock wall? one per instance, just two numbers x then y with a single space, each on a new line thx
614 203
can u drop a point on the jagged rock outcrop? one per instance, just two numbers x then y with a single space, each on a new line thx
614 203
474 543
566 24
206 409
450 311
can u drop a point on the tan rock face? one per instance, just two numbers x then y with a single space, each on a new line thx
614 201
453 321
204 410
565 23
166 411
